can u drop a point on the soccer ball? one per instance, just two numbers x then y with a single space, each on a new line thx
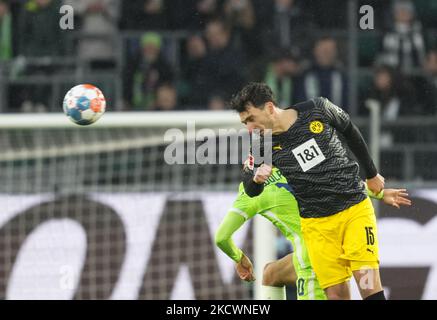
84 104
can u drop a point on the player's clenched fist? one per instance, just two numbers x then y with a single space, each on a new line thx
262 173
376 184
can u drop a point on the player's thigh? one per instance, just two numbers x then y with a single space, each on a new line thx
360 244
323 239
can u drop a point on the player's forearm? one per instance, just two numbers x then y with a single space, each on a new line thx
223 237
359 147
230 249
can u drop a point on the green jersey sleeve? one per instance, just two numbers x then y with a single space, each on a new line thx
223 236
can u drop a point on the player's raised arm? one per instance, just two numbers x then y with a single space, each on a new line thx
339 119
223 239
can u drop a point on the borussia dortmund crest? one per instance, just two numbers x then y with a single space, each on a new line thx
316 127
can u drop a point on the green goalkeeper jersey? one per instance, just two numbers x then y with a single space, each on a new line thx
277 204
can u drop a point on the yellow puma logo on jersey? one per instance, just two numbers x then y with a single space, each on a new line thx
278 147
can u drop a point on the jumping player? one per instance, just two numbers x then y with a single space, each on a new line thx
278 204
338 220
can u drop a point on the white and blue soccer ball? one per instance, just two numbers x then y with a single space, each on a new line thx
84 104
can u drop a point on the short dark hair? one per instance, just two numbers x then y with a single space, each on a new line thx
255 93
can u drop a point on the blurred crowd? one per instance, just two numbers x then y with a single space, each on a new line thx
298 47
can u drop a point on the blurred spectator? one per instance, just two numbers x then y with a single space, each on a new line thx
426 85
386 91
195 73
40 37
324 78
6 51
240 16
216 103
99 18
191 14
394 92
239 13
166 98
285 25
328 14
146 73
431 66
144 15
396 97
404 46
225 64
206 11
40 34
282 76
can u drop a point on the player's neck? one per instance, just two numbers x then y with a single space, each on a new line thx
285 119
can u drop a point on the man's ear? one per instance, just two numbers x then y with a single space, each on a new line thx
270 107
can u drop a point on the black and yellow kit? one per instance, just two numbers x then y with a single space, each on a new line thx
338 220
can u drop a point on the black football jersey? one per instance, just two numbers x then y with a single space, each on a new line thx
324 177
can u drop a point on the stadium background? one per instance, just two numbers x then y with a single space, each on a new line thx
96 212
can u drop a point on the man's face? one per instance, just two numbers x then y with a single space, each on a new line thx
196 47
403 15
216 36
325 53
150 52
383 80
166 98
257 119
285 67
